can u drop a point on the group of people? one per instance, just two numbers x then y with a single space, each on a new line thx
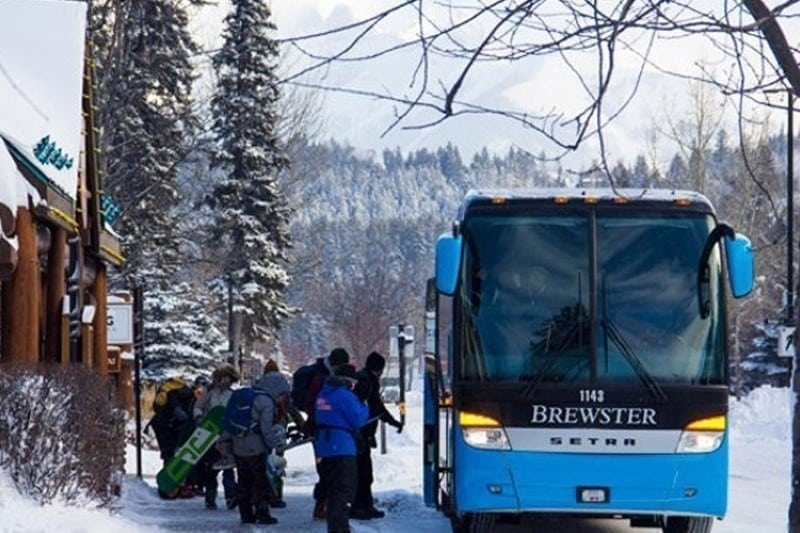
342 408
347 406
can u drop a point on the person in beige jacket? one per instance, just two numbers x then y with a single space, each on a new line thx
217 394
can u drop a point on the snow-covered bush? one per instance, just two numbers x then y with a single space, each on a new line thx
61 435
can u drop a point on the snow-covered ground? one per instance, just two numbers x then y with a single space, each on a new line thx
759 487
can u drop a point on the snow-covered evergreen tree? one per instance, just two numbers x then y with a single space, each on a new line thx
147 82
180 337
251 213
144 64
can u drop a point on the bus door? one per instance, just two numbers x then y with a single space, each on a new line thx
438 412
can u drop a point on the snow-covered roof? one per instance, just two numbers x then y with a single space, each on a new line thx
41 85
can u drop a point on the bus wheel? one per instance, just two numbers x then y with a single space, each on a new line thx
473 523
688 524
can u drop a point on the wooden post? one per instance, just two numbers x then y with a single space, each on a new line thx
22 297
125 385
87 352
56 288
100 293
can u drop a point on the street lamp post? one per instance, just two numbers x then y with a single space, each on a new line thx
790 209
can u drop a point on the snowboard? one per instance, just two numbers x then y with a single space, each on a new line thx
204 436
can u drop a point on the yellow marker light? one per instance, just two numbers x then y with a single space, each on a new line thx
715 423
620 200
683 202
498 200
560 200
476 420
590 200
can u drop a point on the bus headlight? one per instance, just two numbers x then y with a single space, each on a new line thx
488 438
702 436
483 431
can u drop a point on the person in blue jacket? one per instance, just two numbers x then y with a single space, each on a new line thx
339 415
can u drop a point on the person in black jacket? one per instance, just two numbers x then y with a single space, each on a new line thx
369 390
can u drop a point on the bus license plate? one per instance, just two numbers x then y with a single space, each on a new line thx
593 494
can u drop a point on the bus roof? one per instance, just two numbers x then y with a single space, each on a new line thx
599 194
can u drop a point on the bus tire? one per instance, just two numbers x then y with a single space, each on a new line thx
473 523
688 524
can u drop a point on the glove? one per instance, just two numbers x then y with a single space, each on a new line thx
279 437
399 428
276 465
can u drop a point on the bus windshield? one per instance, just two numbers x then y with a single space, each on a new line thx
588 297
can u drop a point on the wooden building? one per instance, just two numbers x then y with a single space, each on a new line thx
56 243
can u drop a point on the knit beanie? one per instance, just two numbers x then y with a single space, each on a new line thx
338 356
270 366
375 362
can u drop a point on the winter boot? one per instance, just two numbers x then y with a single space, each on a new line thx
211 499
375 513
263 516
246 513
357 513
186 491
232 502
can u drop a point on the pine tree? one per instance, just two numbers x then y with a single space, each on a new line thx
146 80
145 74
251 213
180 337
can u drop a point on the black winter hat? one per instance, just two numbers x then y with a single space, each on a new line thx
346 371
375 362
338 356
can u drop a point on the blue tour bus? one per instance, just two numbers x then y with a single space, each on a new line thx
577 359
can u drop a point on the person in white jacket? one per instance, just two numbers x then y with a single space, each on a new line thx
217 394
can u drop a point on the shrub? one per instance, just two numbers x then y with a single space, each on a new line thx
61 435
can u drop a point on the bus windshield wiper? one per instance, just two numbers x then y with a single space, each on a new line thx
531 388
619 341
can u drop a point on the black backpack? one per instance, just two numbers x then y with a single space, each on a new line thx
302 381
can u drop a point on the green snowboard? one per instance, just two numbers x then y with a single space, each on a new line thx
187 455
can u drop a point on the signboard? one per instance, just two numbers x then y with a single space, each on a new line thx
120 323
41 85
114 360
786 341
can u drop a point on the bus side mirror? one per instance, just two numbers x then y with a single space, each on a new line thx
741 264
448 259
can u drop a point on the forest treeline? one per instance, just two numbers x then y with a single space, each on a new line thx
251 236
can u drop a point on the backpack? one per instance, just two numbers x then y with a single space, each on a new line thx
239 411
163 393
301 384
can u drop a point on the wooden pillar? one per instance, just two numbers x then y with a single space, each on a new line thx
125 385
87 345
56 288
22 298
100 341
